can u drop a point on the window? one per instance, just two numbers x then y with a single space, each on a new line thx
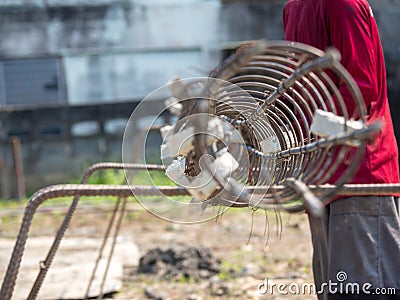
31 81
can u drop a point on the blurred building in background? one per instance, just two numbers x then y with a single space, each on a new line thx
71 72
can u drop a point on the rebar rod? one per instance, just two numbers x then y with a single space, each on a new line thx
56 191
332 141
329 59
44 267
103 244
114 241
61 191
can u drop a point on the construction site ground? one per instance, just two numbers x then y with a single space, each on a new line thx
249 248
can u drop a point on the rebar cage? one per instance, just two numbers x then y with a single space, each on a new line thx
274 122
285 112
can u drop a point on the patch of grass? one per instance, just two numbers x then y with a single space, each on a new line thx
107 177
230 270
12 203
151 178
186 279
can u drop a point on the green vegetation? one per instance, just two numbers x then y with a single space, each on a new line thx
229 270
151 178
108 177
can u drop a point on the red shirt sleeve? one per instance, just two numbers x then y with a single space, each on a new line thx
350 29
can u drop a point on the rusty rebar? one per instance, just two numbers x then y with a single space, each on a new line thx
126 191
62 191
114 241
103 244
44 267
329 59
271 92
53 249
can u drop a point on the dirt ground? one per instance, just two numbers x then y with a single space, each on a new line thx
252 248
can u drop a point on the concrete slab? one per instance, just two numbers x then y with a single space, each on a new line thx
72 267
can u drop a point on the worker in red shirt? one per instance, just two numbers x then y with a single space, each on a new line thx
363 232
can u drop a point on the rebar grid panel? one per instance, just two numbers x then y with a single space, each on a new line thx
298 111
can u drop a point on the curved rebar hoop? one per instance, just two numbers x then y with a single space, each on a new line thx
290 92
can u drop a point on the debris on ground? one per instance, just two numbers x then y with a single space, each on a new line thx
175 263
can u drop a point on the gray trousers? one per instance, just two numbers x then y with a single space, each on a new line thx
357 243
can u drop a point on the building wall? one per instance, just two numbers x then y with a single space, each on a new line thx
387 14
116 52
105 45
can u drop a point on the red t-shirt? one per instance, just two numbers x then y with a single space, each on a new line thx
349 26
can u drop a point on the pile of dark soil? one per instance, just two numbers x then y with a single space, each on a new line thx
179 262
